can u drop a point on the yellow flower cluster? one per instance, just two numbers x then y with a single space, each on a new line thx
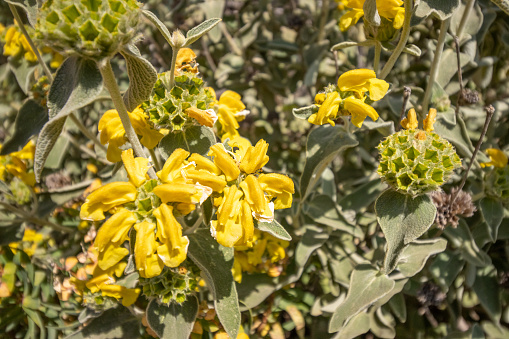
245 194
349 97
230 111
18 164
389 9
411 123
264 256
113 133
17 45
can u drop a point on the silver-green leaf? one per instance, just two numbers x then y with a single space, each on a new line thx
197 32
414 257
30 7
273 228
304 112
173 320
493 212
195 139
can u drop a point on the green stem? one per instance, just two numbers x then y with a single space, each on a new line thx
110 83
444 26
155 159
47 71
324 14
378 52
405 33
175 51
464 18
25 215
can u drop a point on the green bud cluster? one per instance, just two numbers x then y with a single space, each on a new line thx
498 184
416 162
91 28
166 106
173 283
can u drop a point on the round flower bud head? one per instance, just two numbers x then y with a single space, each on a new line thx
167 106
416 162
173 284
178 39
497 183
95 29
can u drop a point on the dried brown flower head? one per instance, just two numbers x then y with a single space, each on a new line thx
449 210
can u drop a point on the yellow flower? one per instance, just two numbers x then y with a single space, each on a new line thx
430 120
171 172
17 44
203 163
410 122
148 263
328 109
105 198
256 198
497 158
255 157
277 186
16 163
173 250
204 118
185 193
224 161
359 111
363 80
230 111
227 229
128 295
186 61
113 133
389 9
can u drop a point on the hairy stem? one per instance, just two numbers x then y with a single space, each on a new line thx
111 84
155 159
405 33
378 52
444 26
174 52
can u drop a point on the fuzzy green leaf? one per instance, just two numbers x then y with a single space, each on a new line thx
195 139
493 212
77 83
414 257
142 77
197 32
114 323
367 285
503 4
216 262
274 228
304 112
442 9
160 26
462 238
358 325
23 71
173 320
29 121
29 6
323 145
402 219
486 287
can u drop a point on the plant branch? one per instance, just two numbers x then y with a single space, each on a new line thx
406 96
444 26
28 217
405 33
111 84
155 159
464 18
174 52
378 52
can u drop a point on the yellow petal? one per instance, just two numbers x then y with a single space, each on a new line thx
216 182
111 254
377 89
136 167
224 162
128 295
430 120
410 122
173 165
105 198
232 100
359 111
203 163
204 118
327 111
230 206
356 80
247 226
255 157
498 158
278 186
350 18
255 196
147 261
173 250
186 193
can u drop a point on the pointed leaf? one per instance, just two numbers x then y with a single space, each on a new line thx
442 9
114 323
30 7
160 26
142 77
462 238
503 4
77 83
29 121
304 112
358 325
197 32
493 212
323 145
23 71
216 262
414 257
367 285
173 320
195 139
274 228
487 289
402 219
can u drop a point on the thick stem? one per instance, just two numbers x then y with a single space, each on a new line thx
155 159
405 33
47 71
406 96
324 14
464 18
460 75
378 52
111 84
175 51
444 26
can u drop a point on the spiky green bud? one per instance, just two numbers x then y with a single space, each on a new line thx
166 105
173 283
416 162
95 29
497 183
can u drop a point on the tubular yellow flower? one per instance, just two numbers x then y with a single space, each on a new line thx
240 145
497 158
430 120
204 118
105 198
389 9
113 133
227 229
186 193
278 186
247 226
171 169
363 80
148 263
327 111
410 122
256 198
216 182
255 157
203 163
359 111
136 168
224 161
173 250
128 295
230 110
